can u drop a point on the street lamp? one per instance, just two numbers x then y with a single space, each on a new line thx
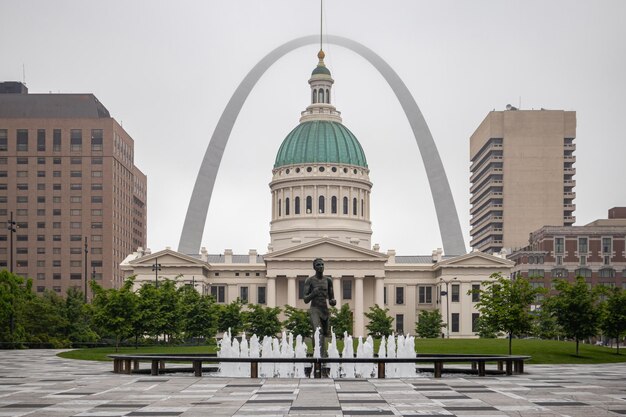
86 252
447 294
12 227
156 267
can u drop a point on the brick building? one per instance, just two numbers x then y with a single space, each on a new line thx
66 174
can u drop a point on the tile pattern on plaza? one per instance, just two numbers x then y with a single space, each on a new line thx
37 383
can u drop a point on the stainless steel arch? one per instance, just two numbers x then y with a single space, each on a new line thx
449 226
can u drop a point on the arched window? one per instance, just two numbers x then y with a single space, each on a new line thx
279 213
327 97
354 206
314 96
321 97
559 273
362 207
333 205
583 272
345 205
321 204
607 273
296 207
309 205
287 206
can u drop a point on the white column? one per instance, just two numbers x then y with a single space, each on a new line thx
291 291
359 322
379 295
271 292
337 291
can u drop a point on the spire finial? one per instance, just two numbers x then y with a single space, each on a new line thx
321 21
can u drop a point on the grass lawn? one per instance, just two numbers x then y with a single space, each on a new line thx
542 351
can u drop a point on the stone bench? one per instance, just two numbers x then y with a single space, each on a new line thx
506 364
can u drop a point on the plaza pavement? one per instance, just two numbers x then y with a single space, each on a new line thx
37 383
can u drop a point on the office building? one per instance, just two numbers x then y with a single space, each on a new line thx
522 176
67 174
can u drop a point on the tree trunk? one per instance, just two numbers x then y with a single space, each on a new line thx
510 343
576 346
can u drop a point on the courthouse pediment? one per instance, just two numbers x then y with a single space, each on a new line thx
327 249
167 257
476 260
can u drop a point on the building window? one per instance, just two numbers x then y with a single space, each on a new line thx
582 246
345 205
559 245
475 293
399 295
559 273
296 207
22 140
456 291
425 295
41 140
333 205
279 208
76 174
475 317
96 187
583 272
559 259
76 140
354 203
535 273
346 289
76 199
219 293
301 288
400 323
96 161
287 206
385 295
3 140
76 160
582 260
607 273
76 251
96 174
454 323
260 295
56 141
96 139
243 294
321 204
309 205
607 246
96 199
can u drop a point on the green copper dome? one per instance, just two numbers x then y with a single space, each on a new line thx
321 70
320 141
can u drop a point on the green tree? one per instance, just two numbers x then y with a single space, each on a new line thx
575 308
45 323
341 320
15 291
198 314
168 319
78 316
485 330
429 324
230 316
545 325
146 321
297 321
613 322
505 305
379 321
262 321
114 310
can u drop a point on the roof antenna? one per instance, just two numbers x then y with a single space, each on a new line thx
321 17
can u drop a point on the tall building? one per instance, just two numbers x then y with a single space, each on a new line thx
66 174
596 252
320 207
522 176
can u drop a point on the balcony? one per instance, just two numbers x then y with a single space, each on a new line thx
569 183
569 207
483 234
485 221
570 195
490 158
569 146
569 158
487 209
484 173
569 220
485 181
476 199
569 171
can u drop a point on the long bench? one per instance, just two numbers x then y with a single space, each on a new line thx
506 364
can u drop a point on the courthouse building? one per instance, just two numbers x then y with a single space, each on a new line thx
321 193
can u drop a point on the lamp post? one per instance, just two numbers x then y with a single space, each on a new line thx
12 227
156 267
86 252
447 294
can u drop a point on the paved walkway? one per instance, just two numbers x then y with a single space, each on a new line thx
37 383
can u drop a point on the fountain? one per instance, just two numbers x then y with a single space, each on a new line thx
272 347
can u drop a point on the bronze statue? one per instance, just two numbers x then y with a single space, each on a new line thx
317 289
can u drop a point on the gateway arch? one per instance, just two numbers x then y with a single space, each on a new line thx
449 226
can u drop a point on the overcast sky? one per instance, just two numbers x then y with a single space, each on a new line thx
166 69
